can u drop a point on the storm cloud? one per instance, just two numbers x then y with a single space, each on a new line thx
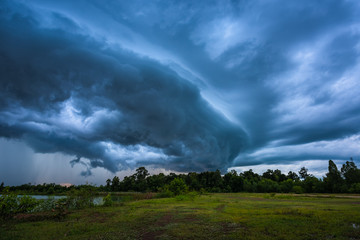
184 86
67 92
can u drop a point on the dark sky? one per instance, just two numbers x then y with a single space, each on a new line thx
90 89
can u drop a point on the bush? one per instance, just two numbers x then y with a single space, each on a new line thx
26 204
178 186
107 201
45 205
165 192
355 188
192 195
202 191
11 204
187 197
297 189
8 204
79 199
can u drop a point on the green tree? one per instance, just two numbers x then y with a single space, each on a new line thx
141 174
128 183
178 186
351 173
312 185
192 180
267 185
293 176
234 182
108 184
287 185
303 173
155 182
333 180
140 179
115 185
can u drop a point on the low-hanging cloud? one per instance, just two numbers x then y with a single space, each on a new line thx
64 91
121 84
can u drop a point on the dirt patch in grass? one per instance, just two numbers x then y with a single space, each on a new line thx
189 218
249 198
330 196
220 208
32 217
161 222
164 220
98 217
294 212
228 227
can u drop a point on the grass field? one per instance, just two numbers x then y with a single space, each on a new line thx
211 216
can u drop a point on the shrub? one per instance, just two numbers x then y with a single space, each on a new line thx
355 188
26 204
79 199
297 189
165 192
45 204
187 197
11 204
178 186
108 201
202 191
192 195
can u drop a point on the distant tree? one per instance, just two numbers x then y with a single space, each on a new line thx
128 183
350 173
155 182
108 184
192 180
268 174
233 182
276 175
287 185
333 180
251 180
141 174
178 186
303 173
268 185
293 176
312 184
115 186
2 186
216 181
170 177
251 176
140 179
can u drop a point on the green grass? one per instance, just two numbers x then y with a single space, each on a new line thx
212 216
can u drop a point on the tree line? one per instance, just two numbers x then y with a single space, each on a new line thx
345 180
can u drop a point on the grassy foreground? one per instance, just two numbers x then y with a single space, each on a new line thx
212 216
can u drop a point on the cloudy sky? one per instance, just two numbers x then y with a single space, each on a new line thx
90 89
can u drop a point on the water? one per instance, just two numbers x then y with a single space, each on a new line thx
97 200
44 197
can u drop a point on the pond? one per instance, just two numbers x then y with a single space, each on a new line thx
98 200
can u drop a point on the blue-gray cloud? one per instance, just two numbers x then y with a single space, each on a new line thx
184 86
67 92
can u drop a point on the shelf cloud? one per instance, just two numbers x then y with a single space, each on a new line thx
183 86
